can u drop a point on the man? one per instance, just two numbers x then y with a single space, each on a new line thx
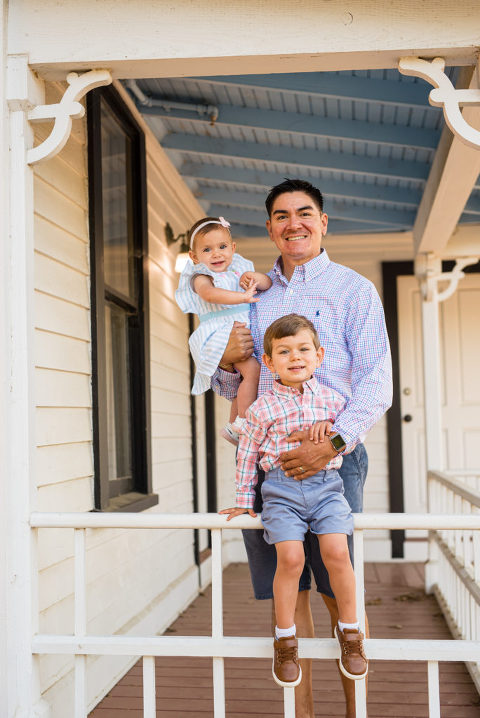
348 316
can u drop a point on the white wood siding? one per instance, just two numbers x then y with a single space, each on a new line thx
137 581
64 458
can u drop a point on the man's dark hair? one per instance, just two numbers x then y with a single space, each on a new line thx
288 326
294 185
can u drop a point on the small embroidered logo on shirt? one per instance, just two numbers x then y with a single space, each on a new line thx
317 313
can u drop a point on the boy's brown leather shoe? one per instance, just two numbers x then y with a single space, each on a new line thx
286 670
353 662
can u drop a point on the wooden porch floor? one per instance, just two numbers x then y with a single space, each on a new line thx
397 607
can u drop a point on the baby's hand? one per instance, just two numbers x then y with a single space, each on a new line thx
249 295
237 511
319 431
246 280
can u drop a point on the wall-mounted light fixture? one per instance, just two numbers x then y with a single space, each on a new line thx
182 256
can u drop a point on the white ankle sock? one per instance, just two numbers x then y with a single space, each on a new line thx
354 626
285 632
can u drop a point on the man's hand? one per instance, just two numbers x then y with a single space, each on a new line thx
237 511
308 458
239 346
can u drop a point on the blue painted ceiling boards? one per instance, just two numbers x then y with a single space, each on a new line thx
366 138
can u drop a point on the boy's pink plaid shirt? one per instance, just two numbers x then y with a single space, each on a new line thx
269 421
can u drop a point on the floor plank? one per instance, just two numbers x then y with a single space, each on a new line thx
397 608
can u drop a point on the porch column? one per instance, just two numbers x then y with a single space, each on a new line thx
21 698
426 268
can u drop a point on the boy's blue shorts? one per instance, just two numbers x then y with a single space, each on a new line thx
290 507
262 557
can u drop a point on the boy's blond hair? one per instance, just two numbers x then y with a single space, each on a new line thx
288 326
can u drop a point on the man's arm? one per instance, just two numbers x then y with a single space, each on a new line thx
371 367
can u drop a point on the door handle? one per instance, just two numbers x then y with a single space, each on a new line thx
407 418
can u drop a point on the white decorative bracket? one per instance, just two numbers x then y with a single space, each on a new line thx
430 275
64 112
445 94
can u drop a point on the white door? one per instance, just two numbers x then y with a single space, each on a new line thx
460 365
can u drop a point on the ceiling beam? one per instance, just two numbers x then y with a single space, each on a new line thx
332 85
208 37
335 210
298 157
452 178
302 124
262 180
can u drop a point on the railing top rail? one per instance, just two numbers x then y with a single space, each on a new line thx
457 487
215 521
258 647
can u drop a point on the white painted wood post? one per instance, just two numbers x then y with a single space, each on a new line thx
149 690
360 686
217 624
80 623
289 702
433 690
432 385
23 91
432 393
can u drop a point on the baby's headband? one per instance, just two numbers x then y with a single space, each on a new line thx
220 220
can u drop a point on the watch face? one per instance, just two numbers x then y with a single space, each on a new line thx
338 442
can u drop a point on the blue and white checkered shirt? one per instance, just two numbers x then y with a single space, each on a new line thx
348 315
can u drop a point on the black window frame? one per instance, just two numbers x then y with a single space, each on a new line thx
141 497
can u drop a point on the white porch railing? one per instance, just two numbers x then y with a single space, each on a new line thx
219 646
453 571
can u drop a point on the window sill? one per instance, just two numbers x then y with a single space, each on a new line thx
132 502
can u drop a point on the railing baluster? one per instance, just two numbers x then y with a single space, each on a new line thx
80 622
217 624
359 576
433 690
289 702
360 686
149 691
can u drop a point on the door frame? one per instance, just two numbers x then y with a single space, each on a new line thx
390 272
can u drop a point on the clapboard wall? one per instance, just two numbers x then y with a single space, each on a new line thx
137 581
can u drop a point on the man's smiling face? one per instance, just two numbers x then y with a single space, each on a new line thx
297 226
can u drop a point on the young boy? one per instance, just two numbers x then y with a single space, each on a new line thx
292 352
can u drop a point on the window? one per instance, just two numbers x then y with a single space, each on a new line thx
119 296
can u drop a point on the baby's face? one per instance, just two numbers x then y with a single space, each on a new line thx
214 249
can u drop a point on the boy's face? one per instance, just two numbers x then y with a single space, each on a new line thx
294 358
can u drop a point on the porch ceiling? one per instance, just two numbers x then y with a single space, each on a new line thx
366 138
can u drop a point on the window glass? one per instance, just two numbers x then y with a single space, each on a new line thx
118 394
117 205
